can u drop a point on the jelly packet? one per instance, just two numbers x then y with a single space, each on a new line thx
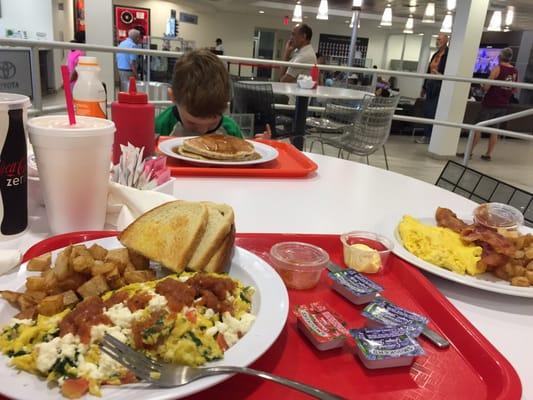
354 286
321 325
391 346
384 313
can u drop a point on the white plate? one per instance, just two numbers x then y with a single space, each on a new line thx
486 281
267 153
270 304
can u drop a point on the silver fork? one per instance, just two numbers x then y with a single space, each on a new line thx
170 375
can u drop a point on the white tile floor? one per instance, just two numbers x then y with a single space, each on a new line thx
512 161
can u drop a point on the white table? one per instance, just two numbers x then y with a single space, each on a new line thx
302 101
343 196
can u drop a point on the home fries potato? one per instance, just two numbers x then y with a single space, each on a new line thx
187 317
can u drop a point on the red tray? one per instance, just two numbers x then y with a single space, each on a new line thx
471 368
291 163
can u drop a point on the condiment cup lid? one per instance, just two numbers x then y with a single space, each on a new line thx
13 101
299 254
498 215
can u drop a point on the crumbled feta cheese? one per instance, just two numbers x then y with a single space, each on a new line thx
231 327
106 368
209 313
120 315
211 331
98 331
59 347
157 302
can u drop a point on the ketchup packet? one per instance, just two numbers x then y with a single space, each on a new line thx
322 326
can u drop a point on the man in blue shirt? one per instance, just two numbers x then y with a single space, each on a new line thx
127 62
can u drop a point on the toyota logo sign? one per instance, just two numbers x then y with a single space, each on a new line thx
7 70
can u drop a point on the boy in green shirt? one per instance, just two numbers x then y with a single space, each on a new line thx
201 92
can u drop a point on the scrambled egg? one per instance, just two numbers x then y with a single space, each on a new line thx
440 246
193 336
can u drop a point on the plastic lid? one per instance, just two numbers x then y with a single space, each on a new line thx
299 254
12 101
498 215
132 96
58 125
88 61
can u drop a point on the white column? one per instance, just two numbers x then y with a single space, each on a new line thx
99 30
425 50
467 29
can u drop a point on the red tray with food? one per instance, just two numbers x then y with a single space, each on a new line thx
471 366
290 163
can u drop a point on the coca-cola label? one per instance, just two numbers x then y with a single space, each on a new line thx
13 173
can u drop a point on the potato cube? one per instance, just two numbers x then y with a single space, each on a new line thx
83 263
50 281
35 283
93 287
51 305
120 257
139 276
41 263
116 282
102 268
70 298
79 250
10 296
72 282
61 267
529 276
520 281
98 252
37 295
138 260
25 302
29 313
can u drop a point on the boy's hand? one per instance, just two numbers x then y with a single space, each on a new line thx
266 135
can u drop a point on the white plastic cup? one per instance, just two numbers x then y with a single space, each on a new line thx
73 164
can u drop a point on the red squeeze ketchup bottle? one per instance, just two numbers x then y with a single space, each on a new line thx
134 119
315 74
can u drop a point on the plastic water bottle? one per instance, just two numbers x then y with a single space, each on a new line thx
89 92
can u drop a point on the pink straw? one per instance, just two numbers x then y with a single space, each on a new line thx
68 95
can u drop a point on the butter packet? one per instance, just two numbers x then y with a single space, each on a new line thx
384 313
386 347
354 286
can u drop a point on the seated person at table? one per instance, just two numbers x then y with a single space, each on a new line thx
201 92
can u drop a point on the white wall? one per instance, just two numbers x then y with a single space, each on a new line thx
32 16
237 30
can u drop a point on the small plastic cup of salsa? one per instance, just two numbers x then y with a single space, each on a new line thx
498 215
369 258
299 264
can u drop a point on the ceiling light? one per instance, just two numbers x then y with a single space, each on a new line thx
409 25
450 5
509 16
297 13
429 14
386 19
507 29
495 23
412 9
412 3
447 23
322 10
261 12
357 3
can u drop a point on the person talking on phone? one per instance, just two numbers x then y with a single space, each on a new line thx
298 49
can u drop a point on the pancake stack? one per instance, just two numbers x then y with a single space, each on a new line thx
218 147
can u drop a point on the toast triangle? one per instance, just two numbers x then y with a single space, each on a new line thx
219 223
168 234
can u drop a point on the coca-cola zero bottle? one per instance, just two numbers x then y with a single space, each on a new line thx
13 165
